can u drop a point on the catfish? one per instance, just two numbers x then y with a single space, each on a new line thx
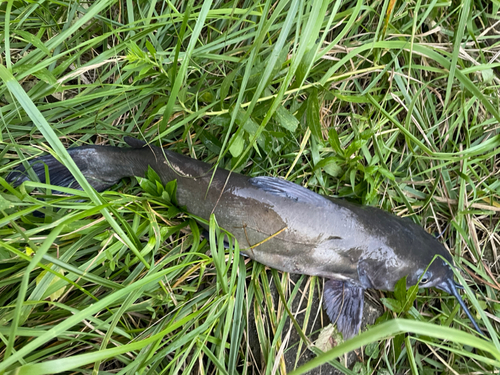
280 224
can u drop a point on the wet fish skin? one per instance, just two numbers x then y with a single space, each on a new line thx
280 224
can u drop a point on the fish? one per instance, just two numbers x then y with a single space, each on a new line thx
280 224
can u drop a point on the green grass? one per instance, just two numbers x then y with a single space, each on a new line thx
390 105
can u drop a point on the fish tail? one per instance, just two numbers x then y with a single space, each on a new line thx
102 166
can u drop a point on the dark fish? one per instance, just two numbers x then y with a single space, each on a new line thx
281 224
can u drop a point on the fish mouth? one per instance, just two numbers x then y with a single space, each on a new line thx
451 287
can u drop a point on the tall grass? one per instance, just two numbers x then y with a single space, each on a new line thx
390 104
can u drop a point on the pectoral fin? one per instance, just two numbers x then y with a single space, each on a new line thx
344 305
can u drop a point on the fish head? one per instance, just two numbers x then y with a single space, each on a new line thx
427 276
385 267
440 275
426 271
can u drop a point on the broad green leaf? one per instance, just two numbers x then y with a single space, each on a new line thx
237 146
312 115
392 304
400 290
286 120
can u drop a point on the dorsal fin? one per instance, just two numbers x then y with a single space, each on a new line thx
287 189
134 142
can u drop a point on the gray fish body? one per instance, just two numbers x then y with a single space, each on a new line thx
285 226
298 231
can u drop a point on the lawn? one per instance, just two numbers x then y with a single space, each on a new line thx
384 103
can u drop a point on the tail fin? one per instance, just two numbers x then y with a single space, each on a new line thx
91 160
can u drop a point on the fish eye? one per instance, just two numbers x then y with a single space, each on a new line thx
426 278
